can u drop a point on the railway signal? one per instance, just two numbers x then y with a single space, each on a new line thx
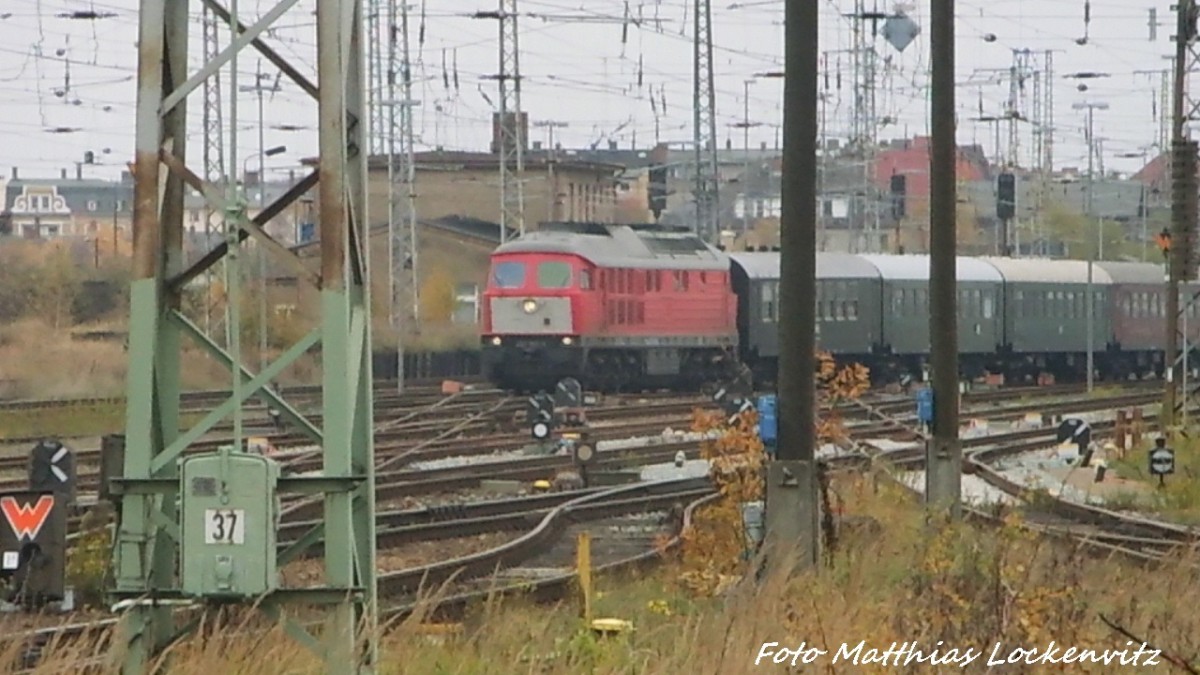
583 452
568 393
542 426
52 469
33 546
1077 431
1162 460
1163 239
568 403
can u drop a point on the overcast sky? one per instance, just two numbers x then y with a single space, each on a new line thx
598 77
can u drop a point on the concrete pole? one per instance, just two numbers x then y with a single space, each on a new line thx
259 248
792 500
943 479
746 156
1091 329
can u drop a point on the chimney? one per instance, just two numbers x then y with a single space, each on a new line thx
728 143
291 175
612 145
762 146
511 123
537 145
64 174
78 172
659 154
14 173
126 177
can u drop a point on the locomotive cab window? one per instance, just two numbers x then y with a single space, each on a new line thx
554 275
585 279
508 275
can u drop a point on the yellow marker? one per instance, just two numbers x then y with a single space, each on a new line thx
542 485
583 565
611 626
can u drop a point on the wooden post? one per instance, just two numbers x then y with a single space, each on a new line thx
1135 440
1121 432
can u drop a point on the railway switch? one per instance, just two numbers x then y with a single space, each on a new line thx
229 514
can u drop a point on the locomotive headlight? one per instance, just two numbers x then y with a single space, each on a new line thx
496 341
530 305
567 341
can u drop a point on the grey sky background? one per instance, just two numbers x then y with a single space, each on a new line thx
584 74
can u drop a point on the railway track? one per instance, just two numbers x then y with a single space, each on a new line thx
546 519
492 454
1093 526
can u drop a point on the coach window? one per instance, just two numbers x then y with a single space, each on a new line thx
768 302
508 275
554 275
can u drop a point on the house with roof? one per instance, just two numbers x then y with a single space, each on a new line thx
47 208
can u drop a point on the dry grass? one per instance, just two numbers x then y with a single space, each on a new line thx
37 361
895 580
1179 497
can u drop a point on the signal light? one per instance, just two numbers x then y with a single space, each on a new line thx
1163 239
1006 196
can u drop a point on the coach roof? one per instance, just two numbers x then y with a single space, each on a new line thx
622 246
1048 271
1133 272
915 267
765 265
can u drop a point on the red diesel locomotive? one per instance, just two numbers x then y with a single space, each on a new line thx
615 306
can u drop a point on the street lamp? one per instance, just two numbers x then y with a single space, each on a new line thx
1090 107
745 125
262 155
1144 155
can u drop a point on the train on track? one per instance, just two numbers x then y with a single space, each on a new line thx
627 307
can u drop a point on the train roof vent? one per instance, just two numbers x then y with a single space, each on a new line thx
659 227
675 245
599 229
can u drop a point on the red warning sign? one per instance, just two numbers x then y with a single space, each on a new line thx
26 520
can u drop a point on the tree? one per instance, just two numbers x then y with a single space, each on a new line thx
1081 236
714 548
437 297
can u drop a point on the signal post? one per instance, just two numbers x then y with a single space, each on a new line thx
1181 263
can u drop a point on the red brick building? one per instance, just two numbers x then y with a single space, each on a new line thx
910 158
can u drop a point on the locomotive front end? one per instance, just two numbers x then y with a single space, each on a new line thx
530 339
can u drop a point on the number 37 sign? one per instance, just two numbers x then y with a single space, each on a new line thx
224 526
